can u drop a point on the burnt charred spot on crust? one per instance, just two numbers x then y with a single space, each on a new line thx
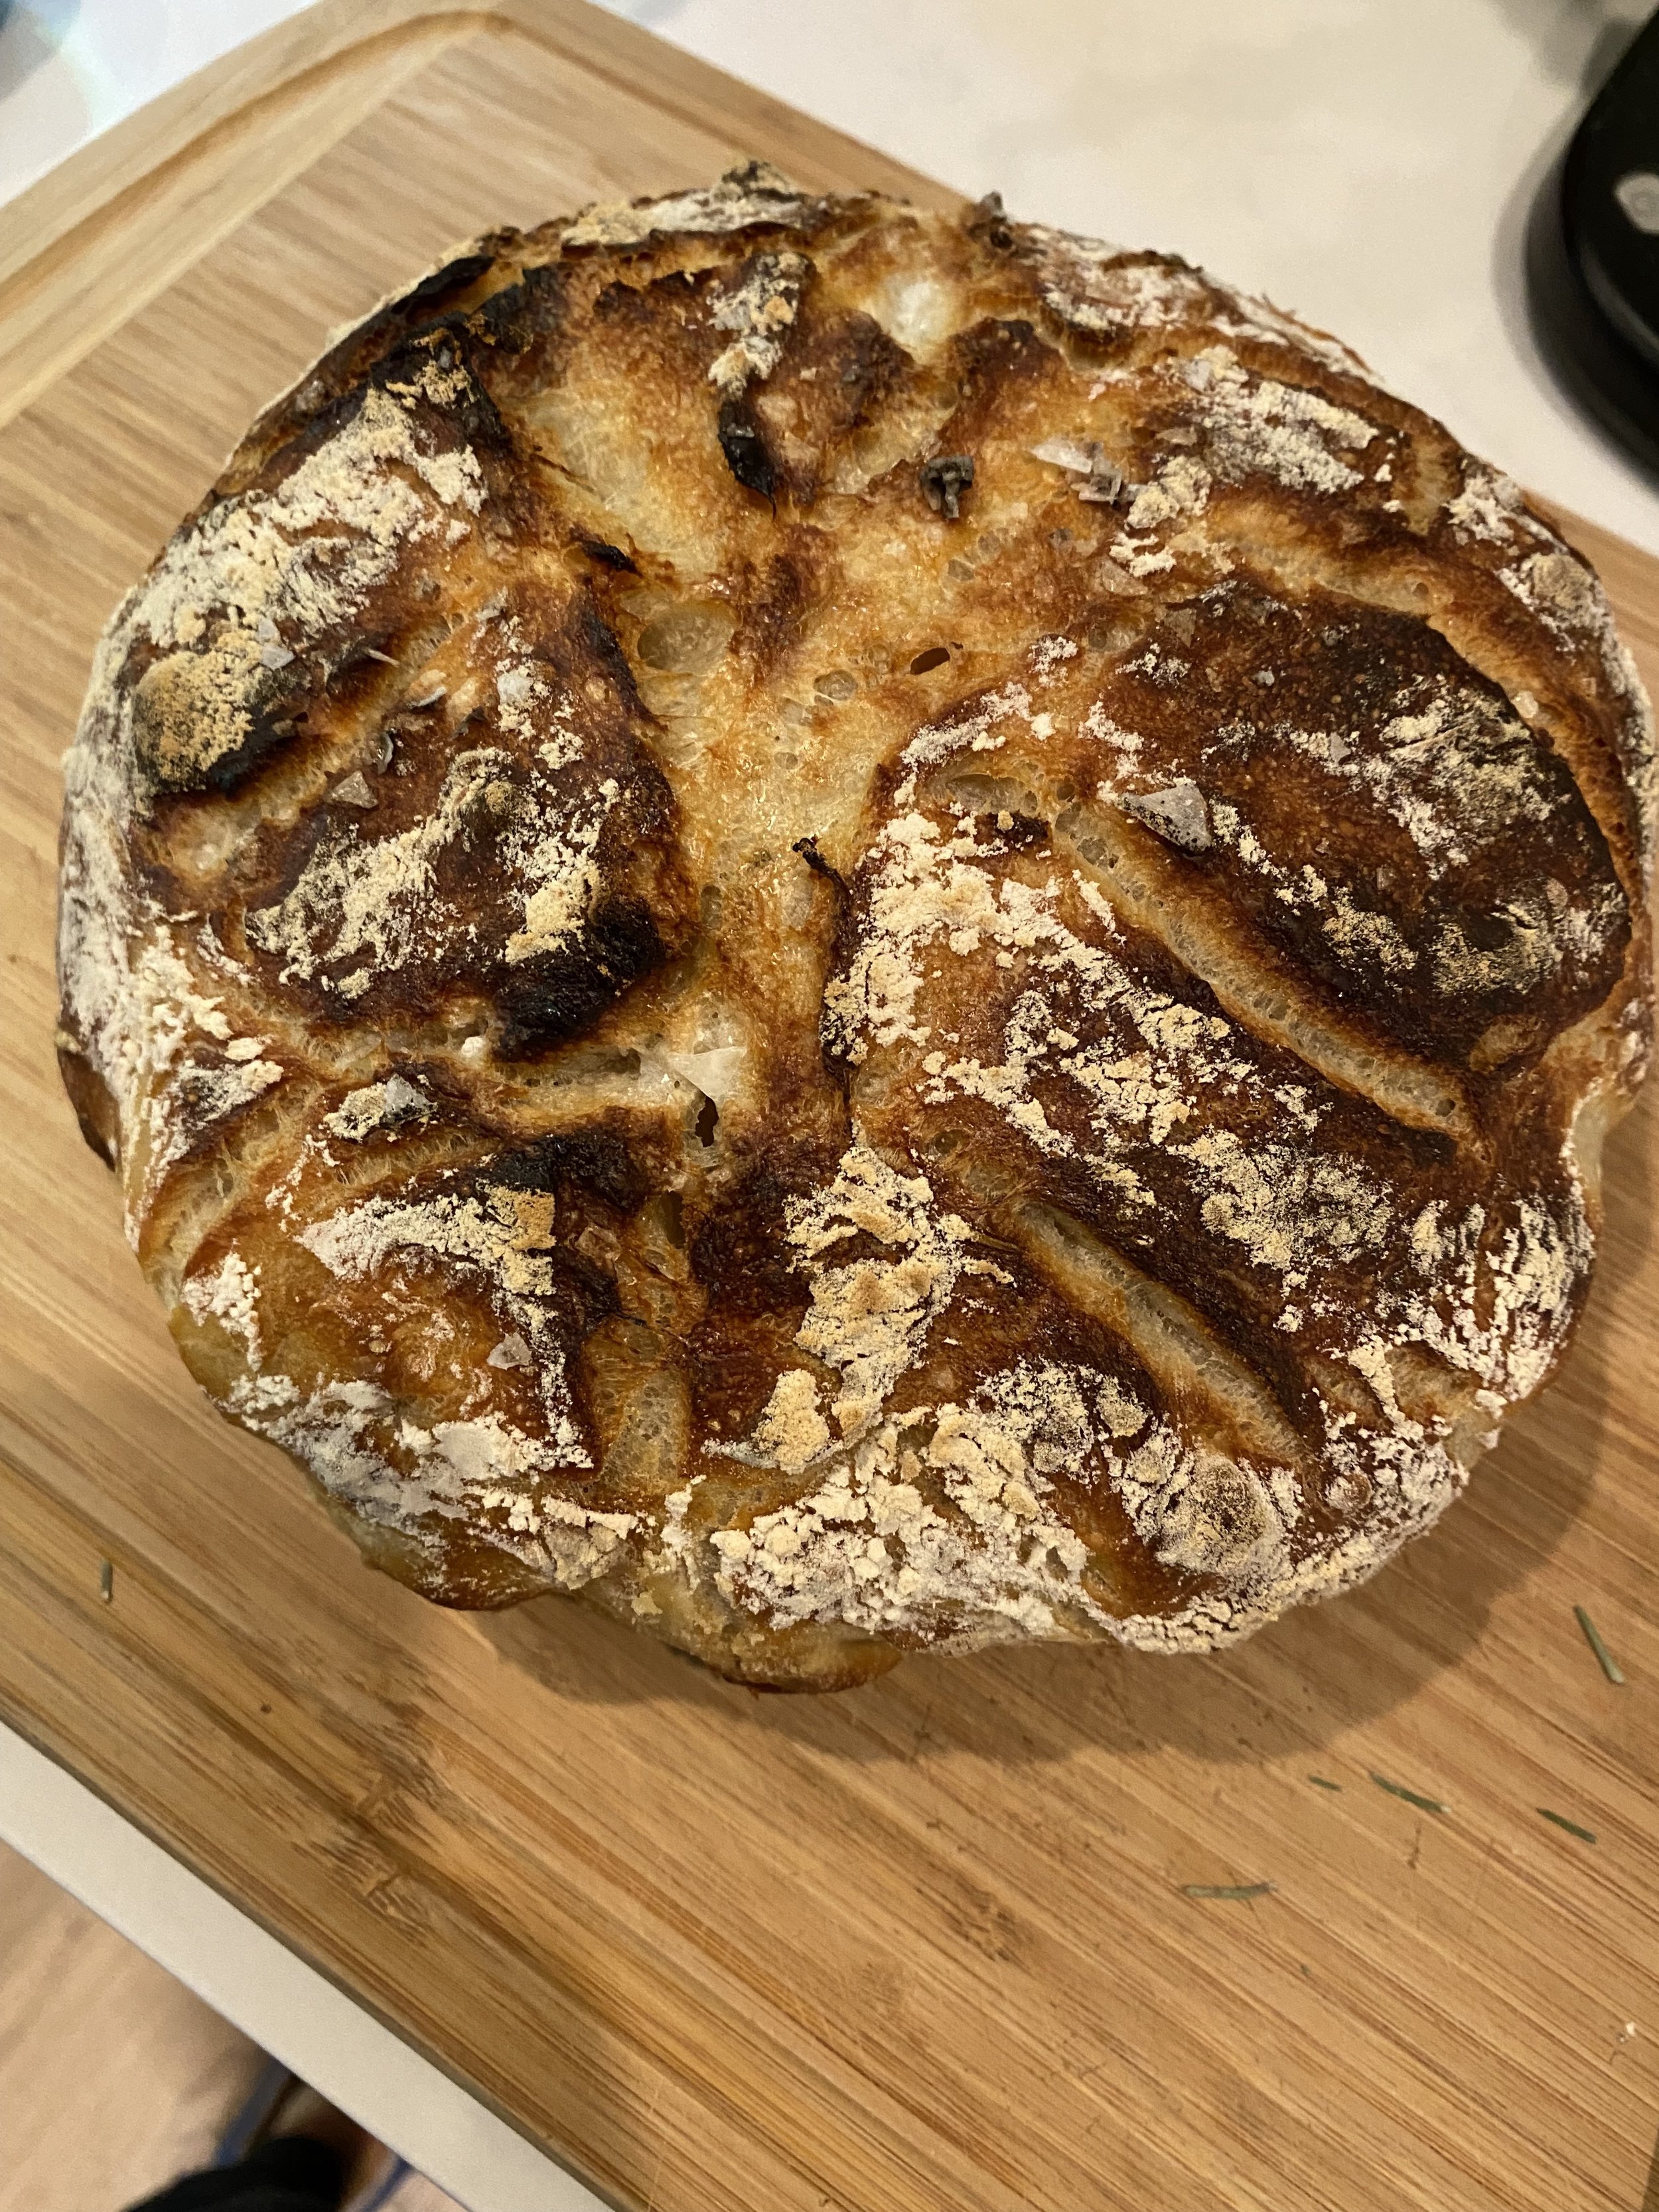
544 1000
587 645
988 221
608 556
431 297
388 328
1020 831
944 479
762 182
745 448
519 315
598 1161
808 849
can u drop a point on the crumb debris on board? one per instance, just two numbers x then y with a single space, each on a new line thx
1585 1835
1412 1796
106 1580
1320 1781
1233 1890
1610 1667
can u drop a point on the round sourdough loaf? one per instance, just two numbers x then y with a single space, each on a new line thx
861 929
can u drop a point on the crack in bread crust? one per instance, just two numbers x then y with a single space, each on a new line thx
862 931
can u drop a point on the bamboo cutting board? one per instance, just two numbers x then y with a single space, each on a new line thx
926 1945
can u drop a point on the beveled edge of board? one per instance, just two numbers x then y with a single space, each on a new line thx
29 1729
128 153
145 175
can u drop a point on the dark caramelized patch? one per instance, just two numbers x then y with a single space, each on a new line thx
542 1001
597 1160
745 448
518 852
836 372
784 599
522 315
173 697
208 715
332 378
608 556
741 1250
999 365
1378 811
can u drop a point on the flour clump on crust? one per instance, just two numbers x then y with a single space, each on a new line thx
860 930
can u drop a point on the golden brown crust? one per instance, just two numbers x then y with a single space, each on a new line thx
862 931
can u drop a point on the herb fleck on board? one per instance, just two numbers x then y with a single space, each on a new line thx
1610 1667
1585 1835
1228 1889
1412 1796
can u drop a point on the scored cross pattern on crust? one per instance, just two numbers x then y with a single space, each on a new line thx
861 930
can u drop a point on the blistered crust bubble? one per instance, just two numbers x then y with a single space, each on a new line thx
860 930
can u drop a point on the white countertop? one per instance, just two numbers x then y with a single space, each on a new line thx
1367 162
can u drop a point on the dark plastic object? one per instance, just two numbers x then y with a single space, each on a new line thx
1592 255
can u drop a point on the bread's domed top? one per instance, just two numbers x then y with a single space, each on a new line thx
865 929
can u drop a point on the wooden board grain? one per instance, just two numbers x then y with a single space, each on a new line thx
924 1945
97 238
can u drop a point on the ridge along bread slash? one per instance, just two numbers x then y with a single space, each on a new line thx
682 1022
